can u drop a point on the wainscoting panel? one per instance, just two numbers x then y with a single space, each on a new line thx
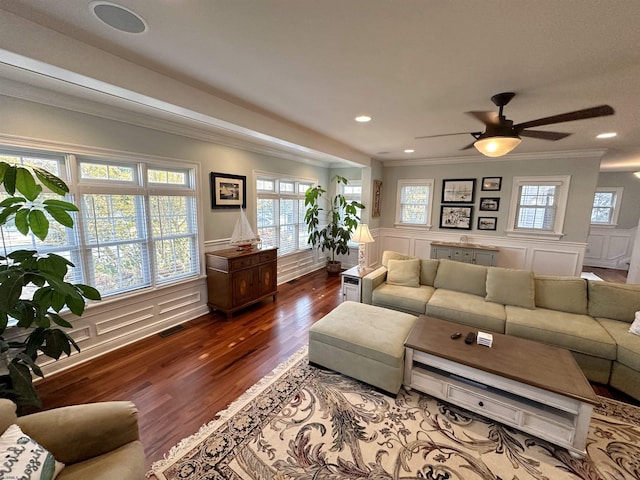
610 247
111 324
539 256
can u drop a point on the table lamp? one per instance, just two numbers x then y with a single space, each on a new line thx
362 236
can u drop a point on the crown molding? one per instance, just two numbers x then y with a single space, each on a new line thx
190 124
559 155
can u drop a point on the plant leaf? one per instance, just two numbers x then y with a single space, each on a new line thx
88 291
70 207
60 215
21 221
50 181
26 184
39 224
9 179
22 384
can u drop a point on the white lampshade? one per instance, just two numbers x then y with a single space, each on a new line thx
496 146
362 234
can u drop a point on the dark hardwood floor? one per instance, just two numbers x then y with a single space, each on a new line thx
608 274
181 381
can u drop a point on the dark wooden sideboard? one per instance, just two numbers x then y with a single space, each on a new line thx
236 279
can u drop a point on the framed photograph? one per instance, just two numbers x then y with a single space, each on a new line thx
487 223
490 204
455 217
458 190
228 191
491 184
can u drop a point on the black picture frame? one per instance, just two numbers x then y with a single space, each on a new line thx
487 223
489 204
458 190
491 184
228 191
457 217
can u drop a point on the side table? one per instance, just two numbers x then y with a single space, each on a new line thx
352 283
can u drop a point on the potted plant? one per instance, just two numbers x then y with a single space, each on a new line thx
341 217
33 286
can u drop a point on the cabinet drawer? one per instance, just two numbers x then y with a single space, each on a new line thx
240 263
427 383
548 428
266 256
482 405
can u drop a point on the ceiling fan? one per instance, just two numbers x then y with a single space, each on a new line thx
501 135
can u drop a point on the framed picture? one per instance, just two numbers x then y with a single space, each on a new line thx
228 191
458 191
455 217
487 223
377 190
491 184
491 204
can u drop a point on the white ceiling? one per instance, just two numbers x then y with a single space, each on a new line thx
415 66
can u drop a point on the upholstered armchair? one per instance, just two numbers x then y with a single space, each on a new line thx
95 441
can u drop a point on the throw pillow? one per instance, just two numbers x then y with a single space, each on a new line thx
391 255
23 457
405 273
635 326
511 287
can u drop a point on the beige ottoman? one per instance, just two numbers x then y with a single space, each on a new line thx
363 342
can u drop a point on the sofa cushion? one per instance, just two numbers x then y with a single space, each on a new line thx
613 300
628 343
461 277
467 309
567 294
579 333
391 255
405 273
510 287
411 300
428 271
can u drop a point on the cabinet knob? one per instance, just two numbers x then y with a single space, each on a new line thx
480 404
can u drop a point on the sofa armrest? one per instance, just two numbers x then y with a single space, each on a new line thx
371 282
79 432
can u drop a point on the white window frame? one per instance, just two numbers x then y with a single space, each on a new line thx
277 195
428 182
69 166
615 211
563 184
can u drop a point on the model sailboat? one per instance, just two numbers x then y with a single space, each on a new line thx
243 236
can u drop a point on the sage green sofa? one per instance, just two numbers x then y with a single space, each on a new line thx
589 318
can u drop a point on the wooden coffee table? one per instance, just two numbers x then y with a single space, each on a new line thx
533 387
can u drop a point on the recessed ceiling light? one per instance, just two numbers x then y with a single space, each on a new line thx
607 135
409 150
363 118
118 17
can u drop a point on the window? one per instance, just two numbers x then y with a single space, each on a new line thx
414 203
353 192
606 206
538 206
280 212
137 224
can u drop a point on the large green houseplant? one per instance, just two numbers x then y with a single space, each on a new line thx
33 286
341 220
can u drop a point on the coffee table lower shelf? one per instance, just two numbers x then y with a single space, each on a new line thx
559 419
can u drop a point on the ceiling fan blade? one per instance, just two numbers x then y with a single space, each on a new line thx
600 111
488 118
543 135
444 135
468 146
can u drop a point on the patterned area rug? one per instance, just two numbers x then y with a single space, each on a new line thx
301 422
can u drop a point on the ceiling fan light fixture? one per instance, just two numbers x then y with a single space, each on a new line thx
496 146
